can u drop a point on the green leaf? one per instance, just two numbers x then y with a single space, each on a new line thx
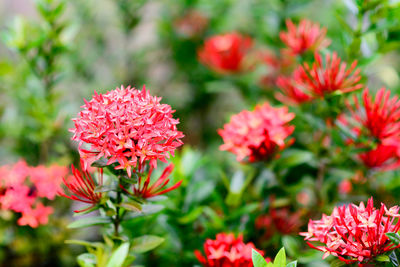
393 259
191 216
146 243
383 258
86 260
280 259
394 237
132 206
118 256
85 222
292 264
258 260
337 263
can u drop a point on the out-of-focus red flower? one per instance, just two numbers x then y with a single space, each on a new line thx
127 126
355 233
37 216
279 221
47 180
345 187
377 120
81 187
257 134
192 24
227 251
143 188
308 82
226 53
23 188
306 36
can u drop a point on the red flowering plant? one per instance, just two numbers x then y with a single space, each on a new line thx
122 134
355 234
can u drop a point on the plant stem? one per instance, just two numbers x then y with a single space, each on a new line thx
117 219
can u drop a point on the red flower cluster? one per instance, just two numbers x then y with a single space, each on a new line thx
127 126
278 221
318 80
22 189
227 251
257 134
379 119
226 53
306 36
81 187
355 233
143 188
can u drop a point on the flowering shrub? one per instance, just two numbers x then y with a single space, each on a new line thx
283 119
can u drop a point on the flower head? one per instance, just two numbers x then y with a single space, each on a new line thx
257 134
226 53
127 126
226 250
377 120
355 233
308 82
143 188
81 186
306 36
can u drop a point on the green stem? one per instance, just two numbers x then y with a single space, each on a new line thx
118 218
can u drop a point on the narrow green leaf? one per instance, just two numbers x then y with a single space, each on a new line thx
292 264
258 260
280 259
132 206
146 243
102 188
394 237
393 259
118 256
85 222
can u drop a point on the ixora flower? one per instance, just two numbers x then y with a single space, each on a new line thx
306 36
81 187
126 126
143 188
319 79
227 251
355 233
377 120
23 189
257 134
226 53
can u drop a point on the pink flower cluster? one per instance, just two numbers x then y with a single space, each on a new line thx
355 233
257 134
227 251
377 120
23 187
127 126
